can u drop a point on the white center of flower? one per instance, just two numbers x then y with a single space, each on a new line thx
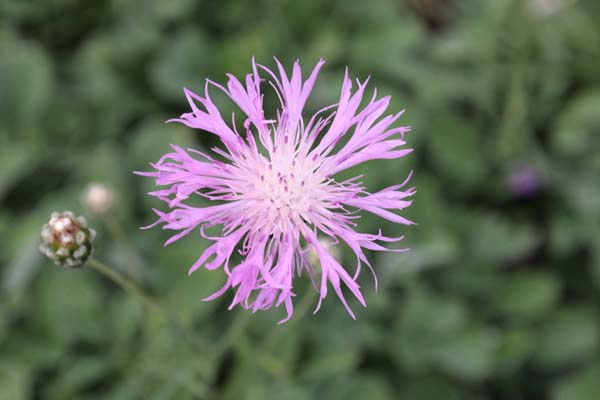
280 194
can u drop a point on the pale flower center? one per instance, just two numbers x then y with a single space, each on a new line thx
281 192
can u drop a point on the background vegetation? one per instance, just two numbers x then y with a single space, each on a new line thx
499 297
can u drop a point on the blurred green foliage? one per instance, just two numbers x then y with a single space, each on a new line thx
498 297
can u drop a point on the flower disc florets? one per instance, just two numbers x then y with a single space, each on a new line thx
274 191
280 193
67 240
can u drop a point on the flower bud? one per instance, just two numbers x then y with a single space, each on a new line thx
98 198
67 240
524 181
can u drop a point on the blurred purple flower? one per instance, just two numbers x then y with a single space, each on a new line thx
524 181
274 190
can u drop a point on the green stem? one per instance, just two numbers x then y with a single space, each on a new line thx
132 287
127 284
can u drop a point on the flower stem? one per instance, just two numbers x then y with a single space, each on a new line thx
132 287
127 284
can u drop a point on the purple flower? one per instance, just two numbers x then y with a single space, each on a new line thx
524 181
274 189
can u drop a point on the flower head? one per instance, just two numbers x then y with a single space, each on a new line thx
67 240
274 189
524 181
98 198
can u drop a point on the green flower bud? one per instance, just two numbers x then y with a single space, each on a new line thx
67 240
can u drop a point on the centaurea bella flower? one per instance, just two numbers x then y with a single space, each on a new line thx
274 188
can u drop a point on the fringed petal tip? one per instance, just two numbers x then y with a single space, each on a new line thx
286 319
152 225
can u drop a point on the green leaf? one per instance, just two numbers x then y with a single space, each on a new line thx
581 385
426 323
577 127
185 293
17 159
516 349
470 355
63 292
15 381
527 295
436 250
494 239
430 387
378 50
273 391
583 195
456 150
41 352
184 62
571 335
330 364
566 233
25 83
359 386
126 321
76 375
152 140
